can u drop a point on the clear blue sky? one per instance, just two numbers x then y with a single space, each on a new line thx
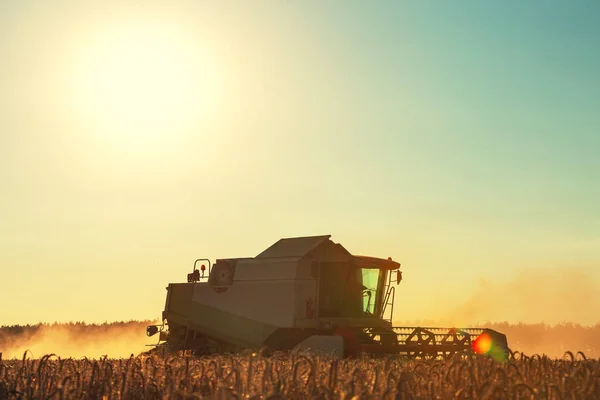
461 138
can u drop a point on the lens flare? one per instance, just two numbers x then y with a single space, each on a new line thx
482 344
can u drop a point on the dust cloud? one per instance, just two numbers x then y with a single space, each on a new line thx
544 295
541 310
76 340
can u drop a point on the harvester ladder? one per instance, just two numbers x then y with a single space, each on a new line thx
388 300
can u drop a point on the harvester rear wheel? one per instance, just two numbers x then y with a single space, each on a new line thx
198 344
177 338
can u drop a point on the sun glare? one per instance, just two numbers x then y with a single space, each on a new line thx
137 82
482 344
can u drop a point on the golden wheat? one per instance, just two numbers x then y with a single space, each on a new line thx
297 376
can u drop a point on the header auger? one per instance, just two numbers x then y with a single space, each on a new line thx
300 293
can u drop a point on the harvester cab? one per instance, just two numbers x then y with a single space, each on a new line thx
379 278
304 292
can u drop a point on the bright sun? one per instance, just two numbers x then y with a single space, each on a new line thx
139 81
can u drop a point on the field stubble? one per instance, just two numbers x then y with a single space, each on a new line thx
295 376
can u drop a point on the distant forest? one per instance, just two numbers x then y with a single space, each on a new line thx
552 340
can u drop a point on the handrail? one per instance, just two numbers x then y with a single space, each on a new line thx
203 259
389 293
385 301
195 275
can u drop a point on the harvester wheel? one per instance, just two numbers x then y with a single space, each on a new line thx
176 339
199 344
351 341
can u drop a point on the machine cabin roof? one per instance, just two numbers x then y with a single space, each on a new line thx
374 262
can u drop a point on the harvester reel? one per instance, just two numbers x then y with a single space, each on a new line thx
387 337
425 339
452 337
458 338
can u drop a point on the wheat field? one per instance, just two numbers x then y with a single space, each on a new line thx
109 361
298 376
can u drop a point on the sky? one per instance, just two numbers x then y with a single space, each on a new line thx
459 138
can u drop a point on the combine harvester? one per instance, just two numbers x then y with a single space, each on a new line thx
304 293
